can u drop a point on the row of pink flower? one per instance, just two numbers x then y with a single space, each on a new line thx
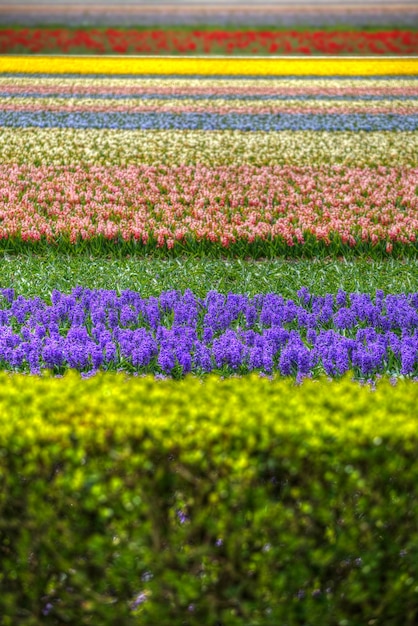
201 88
248 107
223 204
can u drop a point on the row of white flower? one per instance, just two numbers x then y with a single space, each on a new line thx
172 147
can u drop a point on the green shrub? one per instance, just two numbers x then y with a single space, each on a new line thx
236 502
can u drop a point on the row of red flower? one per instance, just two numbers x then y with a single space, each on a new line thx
177 41
220 205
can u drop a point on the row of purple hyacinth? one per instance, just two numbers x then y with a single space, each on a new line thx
177 333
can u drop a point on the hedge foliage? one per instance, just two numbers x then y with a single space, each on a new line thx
228 502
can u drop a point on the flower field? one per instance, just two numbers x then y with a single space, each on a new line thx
245 166
203 261
256 167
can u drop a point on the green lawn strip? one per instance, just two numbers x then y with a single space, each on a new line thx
38 275
312 248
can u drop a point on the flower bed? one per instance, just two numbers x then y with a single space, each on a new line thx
223 205
176 333
215 41
206 165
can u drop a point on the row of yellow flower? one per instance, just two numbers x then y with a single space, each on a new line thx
210 66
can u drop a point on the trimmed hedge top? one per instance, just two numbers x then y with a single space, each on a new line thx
47 408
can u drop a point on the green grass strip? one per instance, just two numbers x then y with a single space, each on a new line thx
38 275
190 247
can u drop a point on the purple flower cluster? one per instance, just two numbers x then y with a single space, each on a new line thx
175 334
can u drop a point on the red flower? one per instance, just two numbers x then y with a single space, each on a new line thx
166 41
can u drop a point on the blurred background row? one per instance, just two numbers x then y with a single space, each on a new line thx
215 12
193 27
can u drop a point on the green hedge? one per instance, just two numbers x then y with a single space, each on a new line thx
230 502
